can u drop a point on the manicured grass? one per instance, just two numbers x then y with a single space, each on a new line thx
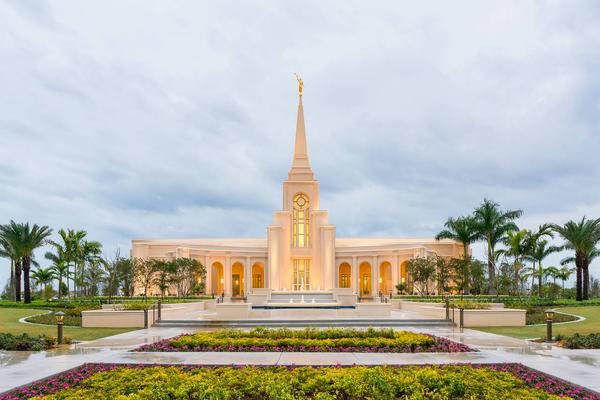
9 323
590 325
111 381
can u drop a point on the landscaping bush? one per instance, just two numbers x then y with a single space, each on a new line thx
470 305
112 381
25 342
578 341
315 340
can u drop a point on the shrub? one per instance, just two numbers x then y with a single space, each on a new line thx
112 381
578 341
25 342
470 305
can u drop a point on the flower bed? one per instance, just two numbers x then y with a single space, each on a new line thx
313 340
112 381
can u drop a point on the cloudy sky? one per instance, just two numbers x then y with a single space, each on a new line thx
148 119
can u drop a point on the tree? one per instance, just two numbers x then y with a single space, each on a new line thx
88 256
25 239
444 272
70 250
581 237
538 252
564 274
7 251
187 275
462 230
492 225
534 240
93 277
60 267
517 247
43 277
422 270
111 275
164 272
145 269
126 272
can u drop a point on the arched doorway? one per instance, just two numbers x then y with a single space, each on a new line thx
218 281
237 279
364 273
404 278
385 278
258 276
345 275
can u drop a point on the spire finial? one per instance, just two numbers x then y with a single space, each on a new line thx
300 84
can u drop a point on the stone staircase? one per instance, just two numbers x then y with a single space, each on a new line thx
299 323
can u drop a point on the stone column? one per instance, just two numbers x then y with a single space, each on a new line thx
395 273
227 277
247 277
209 277
354 275
375 275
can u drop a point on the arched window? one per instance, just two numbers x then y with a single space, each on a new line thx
300 221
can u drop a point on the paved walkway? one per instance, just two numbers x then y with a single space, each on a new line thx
578 366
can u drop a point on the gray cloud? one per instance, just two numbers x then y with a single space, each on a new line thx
176 119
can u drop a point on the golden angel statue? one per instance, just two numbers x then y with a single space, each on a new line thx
300 84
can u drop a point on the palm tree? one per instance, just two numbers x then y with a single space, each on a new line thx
6 251
60 267
581 237
461 230
72 248
89 253
539 250
492 225
564 274
534 241
43 277
24 239
517 247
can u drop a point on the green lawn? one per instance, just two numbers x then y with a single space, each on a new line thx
591 324
9 323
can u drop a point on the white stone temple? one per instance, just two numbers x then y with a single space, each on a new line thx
301 255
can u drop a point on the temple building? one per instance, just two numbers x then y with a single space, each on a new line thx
301 253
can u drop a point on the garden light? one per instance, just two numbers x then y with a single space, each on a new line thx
549 319
60 320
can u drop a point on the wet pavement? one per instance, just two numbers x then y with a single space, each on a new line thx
578 366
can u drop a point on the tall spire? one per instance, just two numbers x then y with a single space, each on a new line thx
300 170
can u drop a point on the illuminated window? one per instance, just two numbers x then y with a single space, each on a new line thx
257 281
301 269
301 221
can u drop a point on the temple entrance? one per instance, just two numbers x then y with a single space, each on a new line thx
301 269
385 278
365 279
258 276
237 280
345 275
218 283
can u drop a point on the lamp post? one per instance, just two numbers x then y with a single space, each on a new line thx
549 319
447 302
60 320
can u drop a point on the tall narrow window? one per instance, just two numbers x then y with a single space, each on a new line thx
301 221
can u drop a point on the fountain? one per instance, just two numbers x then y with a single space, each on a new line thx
291 301
302 299
313 300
